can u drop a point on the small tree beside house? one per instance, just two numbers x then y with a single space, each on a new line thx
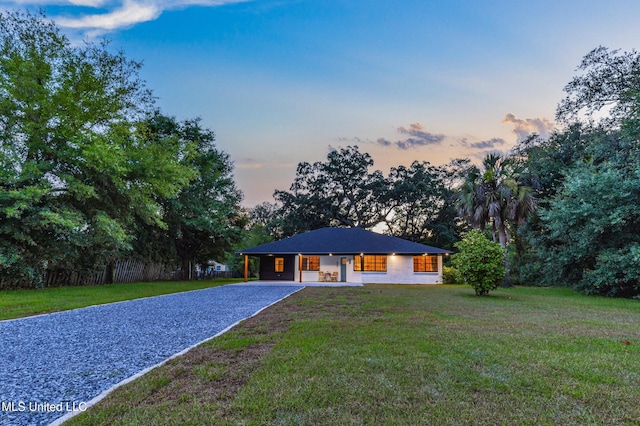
479 262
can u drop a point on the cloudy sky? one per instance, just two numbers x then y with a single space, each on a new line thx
284 81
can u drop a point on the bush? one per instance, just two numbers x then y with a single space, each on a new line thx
449 275
479 262
615 273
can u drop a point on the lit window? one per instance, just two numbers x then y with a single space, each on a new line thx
370 263
310 263
357 263
425 263
279 264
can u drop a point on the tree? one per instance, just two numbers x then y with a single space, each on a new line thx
269 218
90 171
610 80
497 196
338 192
479 262
415 202
67 150
254 234
585 233
590 235
203 221
421 199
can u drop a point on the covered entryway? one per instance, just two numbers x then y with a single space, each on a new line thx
277 267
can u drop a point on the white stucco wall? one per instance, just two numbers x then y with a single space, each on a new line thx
399 271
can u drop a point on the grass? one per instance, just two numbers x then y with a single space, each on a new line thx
22 303
402 355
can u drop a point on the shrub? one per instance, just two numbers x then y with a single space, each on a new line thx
479 262
449 275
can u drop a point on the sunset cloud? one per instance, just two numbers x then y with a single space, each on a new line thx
418 136
524 128
493 143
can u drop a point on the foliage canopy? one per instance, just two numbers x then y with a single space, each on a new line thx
86 167
413 202
586 233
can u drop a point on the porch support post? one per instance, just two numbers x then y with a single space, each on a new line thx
300 265
246 268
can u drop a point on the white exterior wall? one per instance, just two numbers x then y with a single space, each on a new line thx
328 264
399 271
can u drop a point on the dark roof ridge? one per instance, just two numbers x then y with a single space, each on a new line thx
342 241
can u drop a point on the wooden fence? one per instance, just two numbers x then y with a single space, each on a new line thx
219 274
58 278
121 271
129 271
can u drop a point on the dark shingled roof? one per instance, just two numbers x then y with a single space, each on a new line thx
342 241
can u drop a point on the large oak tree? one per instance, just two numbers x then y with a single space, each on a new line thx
84 164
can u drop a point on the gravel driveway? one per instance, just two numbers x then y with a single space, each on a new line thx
55 363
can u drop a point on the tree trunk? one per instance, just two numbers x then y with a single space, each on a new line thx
503 234
185 269
108 278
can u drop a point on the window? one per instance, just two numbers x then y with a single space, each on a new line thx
279 264
310 263
425 263
375 263
357 263
370 263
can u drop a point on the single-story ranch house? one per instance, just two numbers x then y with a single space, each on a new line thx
352 255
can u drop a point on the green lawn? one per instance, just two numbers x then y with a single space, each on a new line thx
403 355
21 303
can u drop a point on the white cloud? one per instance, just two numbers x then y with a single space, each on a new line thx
523 128
90 3
120 13
130 13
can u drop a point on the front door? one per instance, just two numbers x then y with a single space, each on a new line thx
343 269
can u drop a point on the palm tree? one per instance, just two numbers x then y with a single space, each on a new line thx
496 195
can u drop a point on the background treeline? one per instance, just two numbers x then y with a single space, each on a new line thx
91 173
586 233
567 208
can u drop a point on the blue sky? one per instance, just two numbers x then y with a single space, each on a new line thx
285 81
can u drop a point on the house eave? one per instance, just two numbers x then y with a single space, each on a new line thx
324 253
342 241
